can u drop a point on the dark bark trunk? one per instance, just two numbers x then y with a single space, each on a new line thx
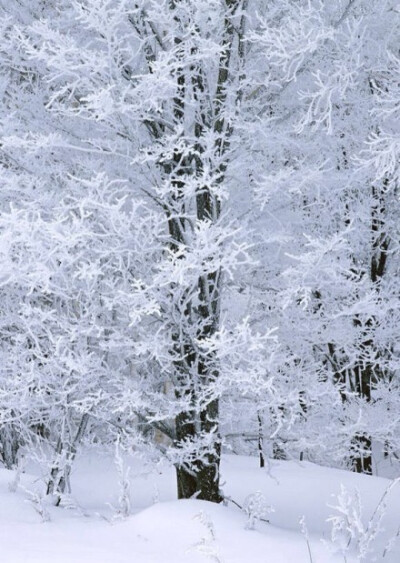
208 474
194 369
369 372
362 460
59 480
260 441
9 446
200 479
186 482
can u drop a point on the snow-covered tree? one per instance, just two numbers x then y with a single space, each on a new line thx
331 196
140 111
169 167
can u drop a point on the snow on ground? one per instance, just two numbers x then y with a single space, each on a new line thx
163 530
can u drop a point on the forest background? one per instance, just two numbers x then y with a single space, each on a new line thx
199 233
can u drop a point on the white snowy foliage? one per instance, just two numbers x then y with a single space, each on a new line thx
199 210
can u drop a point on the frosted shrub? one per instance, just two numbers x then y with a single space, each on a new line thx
14 484
348 529
124 498
256 508
207 546
304 531
36 500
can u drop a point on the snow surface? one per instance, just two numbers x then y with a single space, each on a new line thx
163 530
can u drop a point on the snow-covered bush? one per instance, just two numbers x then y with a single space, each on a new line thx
256 507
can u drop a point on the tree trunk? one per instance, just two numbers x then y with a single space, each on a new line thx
362 461
260 441
10 443
201 479
65 454
367 373
199 308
